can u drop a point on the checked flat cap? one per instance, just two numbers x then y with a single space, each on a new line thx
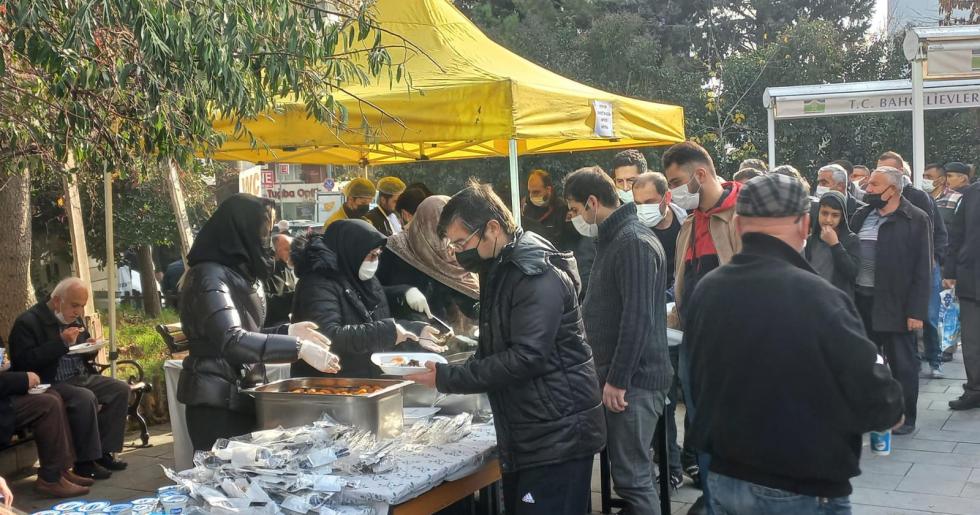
772 196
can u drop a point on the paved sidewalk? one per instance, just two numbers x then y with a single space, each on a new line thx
140 479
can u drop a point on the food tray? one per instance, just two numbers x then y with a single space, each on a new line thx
379 412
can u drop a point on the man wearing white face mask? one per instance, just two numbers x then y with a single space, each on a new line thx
625 323
707 240
833 177
543 211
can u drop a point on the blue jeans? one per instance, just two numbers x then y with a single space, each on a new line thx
704 459
732 496
930 328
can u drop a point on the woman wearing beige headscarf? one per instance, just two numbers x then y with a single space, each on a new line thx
418 257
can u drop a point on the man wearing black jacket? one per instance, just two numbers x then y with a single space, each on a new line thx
962 271
895 278
532 360
625 320
96 405
807 389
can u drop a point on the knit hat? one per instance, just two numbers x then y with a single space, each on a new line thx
772 196
360 188
391 186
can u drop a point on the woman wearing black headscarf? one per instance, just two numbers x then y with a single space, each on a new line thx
222 310
337 290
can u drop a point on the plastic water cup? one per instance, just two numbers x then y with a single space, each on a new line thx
69 506
174 504
881 442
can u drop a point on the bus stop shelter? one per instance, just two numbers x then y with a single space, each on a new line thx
945 75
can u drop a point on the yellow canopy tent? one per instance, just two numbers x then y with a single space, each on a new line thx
466 97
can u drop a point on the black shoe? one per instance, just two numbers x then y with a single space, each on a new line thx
92 470
906 429
694 473
969 400
676 479
698 508
111 463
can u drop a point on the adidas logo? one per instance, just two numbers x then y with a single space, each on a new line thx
528 498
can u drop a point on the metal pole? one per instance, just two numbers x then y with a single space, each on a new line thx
918 124
515 192
772 136
111 269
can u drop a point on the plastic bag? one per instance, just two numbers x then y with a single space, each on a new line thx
949 319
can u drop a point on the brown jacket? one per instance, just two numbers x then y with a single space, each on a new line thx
727 243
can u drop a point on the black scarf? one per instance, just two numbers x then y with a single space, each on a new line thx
339 252
232 238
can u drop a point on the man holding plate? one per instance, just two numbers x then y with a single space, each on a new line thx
41 342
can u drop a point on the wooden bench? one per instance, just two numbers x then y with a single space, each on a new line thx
173 337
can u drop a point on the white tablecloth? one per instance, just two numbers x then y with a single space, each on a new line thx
183 450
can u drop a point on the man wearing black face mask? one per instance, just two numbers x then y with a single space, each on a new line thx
895 278
532 360
357 201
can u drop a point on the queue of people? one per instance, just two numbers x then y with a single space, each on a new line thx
571 367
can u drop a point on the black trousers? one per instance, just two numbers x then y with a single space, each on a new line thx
970 335
562 488
97 407
205 425
900 351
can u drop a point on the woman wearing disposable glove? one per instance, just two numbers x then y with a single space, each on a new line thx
418 257
222 308
338 291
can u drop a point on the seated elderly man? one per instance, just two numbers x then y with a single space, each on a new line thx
96 404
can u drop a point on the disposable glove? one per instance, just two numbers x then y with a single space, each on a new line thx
403 335
319 356
429 340
308 331
416 300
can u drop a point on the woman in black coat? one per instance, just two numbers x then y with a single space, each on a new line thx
222 310
337 290
418 257
832 249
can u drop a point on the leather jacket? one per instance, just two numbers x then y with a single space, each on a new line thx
221 314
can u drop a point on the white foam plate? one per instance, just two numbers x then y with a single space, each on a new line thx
390 362
41 388
87 347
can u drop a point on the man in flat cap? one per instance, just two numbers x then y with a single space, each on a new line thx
784 378
357 200
383 216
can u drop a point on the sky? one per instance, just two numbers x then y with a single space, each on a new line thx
878 21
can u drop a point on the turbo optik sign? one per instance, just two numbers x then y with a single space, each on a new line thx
880 103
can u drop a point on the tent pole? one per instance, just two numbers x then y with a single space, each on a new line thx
772 136
111 272
515 191
918 124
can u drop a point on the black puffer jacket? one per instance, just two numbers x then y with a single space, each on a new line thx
325 298
221 314
533 361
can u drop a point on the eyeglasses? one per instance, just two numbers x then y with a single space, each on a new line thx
458 246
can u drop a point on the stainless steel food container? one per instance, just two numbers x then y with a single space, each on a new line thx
379 412
477 405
